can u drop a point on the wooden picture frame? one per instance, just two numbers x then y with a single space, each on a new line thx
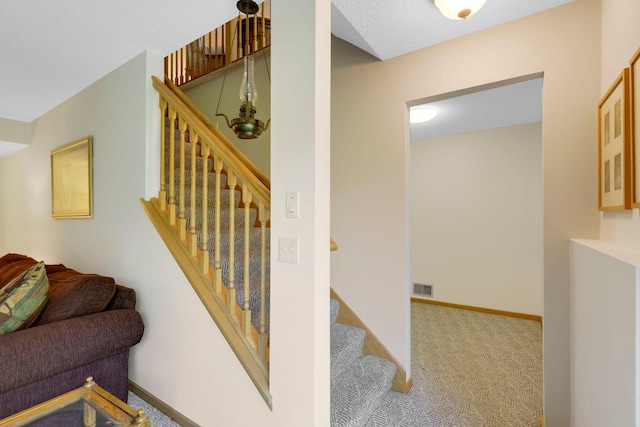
614 146
634 90
72 180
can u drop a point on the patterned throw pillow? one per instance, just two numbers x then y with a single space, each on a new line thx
23 298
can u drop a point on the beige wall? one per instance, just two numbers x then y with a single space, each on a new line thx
206 94
476 217
369 164
620 40
15 131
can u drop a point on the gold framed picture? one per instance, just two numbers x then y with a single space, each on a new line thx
72 180
634 71
614 146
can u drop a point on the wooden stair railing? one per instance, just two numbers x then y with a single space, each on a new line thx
226 44
190 217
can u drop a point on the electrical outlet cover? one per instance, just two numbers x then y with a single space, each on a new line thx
288 250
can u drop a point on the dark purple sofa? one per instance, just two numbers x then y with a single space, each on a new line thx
86 329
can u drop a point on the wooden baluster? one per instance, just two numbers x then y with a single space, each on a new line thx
201 57
193 234
163 152
205 209
167 66
267 15
254 39
208 55
246 310
246 49
217 278
172 165
183 64
263 217
263 34
176 62
177 65
176 76
182 216
231 301
215 51
229 47
239 46
195 60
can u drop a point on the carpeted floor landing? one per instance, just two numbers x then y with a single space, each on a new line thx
474 369
469 369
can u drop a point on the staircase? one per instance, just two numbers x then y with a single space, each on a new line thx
361 393
212 211
213 214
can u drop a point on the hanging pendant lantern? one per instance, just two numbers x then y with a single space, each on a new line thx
247 7
246 126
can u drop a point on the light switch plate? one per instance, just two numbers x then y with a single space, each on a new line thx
293 205
288 250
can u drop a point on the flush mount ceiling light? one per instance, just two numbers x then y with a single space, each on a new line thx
459 9
421 114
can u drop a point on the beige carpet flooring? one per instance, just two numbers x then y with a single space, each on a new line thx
473 369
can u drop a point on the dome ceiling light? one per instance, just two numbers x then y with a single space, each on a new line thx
421 114
459 9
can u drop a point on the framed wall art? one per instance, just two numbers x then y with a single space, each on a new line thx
72 180
634 87
614 146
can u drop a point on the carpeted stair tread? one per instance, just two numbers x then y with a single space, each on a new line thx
346 346
225 196
254 303
211 179
255 267
254 238
187 162
357 391
334 308
398 410
225 215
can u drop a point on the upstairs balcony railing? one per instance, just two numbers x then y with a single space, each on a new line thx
232 41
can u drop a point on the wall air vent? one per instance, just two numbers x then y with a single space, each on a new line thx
422 290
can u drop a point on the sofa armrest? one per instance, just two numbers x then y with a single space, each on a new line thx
35 353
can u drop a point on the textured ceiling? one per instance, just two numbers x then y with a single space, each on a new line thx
52 49
387 29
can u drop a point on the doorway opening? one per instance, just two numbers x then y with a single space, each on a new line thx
476 240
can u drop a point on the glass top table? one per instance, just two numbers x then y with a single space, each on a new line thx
88 406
